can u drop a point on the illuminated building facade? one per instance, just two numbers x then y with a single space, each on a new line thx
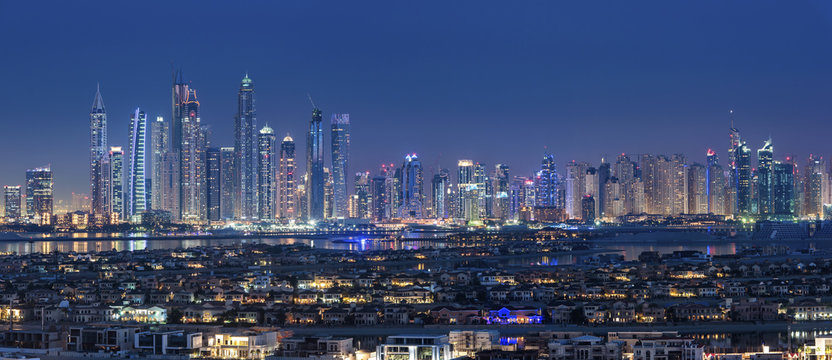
213 183
11 197
411 188
340 163
266 170
192 162
315 168
245 143
286 194
98 150
227 180
136 190
765 163
159 136
116 185
39 197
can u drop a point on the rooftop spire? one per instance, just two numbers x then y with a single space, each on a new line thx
98 103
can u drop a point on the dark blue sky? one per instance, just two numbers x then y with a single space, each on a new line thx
490 81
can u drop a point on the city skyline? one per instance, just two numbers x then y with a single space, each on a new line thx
617 121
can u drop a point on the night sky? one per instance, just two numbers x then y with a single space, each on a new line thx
490 81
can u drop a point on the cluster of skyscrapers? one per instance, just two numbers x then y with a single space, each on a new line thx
171 170
168 169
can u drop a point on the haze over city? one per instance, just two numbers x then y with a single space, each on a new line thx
493 82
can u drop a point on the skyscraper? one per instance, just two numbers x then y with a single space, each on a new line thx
159 136
815 175
547 194
227 180
39 196
315 167
192 161
287 197
679 184
740 173
116 184
575 187
136 190
213 181
11 195
501 192
245 143
765 159
588 209
265 170
716 185
340 162
439 192
697 189
782 190
604 174
378 190
469 192
98 149
412 188
170 183
363 195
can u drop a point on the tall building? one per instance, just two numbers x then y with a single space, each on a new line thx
136 190
679 184
286 198
588 209
604 173
328 194
245 143
315 168
592 188
782 190
159 136
266 170
765 163
39 197
547 194
740 173
469 191
362 197
411 188
697 189
116 183
440 185
192 162
502 190
178 142
575 187
716 185
614 203
815 174
213 183
378 190
227 180
340 163
98 149
170 183
11 196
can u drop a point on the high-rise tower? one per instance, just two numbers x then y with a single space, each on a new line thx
340 163
547 194
412 188
265 181
245 143
159 145
765 165
213 183
286 198
227 159
315 167
192 162
98 148
136 190
39 198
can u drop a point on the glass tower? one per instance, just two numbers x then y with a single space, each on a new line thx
315 168
98 149
137 193
340 163
245 143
